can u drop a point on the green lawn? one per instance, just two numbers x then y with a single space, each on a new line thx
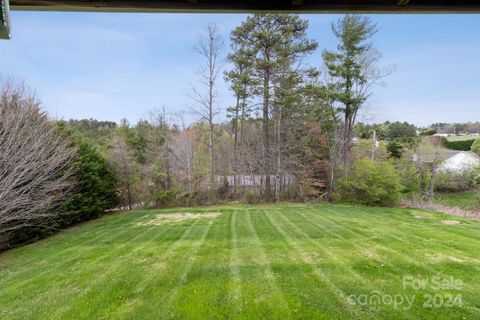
465 200
250 262
462 138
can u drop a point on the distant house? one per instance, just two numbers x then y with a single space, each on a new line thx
462 160
450 160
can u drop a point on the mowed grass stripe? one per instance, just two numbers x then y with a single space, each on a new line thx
234 262
387 270
182 275
434 257
159 287
337 304
376 233
277 296
250 262
293 274
358 240
396 219
208 278
365 268
81 253
332 267
420 231
140 276
369 254
49 245
85 283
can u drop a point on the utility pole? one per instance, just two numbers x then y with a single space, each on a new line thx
374 144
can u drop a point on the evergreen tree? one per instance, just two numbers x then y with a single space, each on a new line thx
353 69
95 191
268 41
241 83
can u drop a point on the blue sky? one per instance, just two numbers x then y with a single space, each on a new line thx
113 65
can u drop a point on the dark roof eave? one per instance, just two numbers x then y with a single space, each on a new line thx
245 6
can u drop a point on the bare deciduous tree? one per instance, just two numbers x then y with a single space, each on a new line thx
209 47
35 170
121 157
182 147
157 148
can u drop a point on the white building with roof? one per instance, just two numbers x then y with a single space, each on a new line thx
460 161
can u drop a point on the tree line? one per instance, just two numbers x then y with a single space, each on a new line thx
290 135
290 123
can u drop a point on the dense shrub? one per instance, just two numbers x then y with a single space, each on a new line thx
96 188
476 147
370 183
409 175
461 145
250 197
395 148
164 199
449 181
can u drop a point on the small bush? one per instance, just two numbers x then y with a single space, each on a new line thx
395 149
428 132
290 192
223 191
409 175
250 197
456 181
165 199
370 183
476 147
475 176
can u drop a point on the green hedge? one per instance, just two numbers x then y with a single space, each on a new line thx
461 145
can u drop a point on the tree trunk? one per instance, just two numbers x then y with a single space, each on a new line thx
211 79
235 146
330 183
279 157
212 160
129 198
242 148
266 138
346 139
431 186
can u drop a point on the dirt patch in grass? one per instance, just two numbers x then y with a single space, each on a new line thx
437 207
177 217
450 222
443 257
420 214
159 265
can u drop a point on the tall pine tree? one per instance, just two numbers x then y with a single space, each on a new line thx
268 41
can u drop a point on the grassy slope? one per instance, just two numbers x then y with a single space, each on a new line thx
248 263
464 200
